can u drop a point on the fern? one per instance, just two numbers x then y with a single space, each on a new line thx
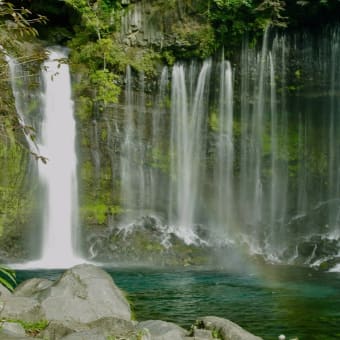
7 278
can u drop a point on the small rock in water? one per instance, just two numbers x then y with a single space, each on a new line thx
282 337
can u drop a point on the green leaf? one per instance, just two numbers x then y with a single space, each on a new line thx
7 278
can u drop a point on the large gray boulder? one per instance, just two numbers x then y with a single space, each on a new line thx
21 308
226 329
93 334
4 291
83 294
13 328
57 330
162 330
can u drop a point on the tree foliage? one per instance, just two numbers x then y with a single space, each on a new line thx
93 50
228 4
232 19
17 24
96 16
17 34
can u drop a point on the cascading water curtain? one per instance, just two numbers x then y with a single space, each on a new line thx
245 152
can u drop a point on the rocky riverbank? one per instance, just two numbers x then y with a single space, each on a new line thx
85 303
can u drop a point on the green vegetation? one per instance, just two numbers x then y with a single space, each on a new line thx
97 213
160 159
17 37
16 198
34 328
92 51
31 328
7 278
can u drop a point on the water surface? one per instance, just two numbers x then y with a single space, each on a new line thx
297 302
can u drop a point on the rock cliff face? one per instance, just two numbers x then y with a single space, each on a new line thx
177 26
17 172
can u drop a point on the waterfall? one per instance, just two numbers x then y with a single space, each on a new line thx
158 146
275 242
135 178
59 174
224 169
241 151
247 56
127 154
334 135
187 141
241 155
57 170
257 135
21 93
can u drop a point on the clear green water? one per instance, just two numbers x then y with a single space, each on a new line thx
297 302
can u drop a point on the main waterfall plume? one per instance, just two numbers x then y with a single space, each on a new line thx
59 173
56 144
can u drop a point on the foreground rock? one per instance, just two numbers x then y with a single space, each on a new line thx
105 328
4 291
83 294
21 308
225 329
162 330
32 287
12 330
86 304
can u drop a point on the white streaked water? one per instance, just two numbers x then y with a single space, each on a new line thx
224 176
158 149
186 146
58 175
20 93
